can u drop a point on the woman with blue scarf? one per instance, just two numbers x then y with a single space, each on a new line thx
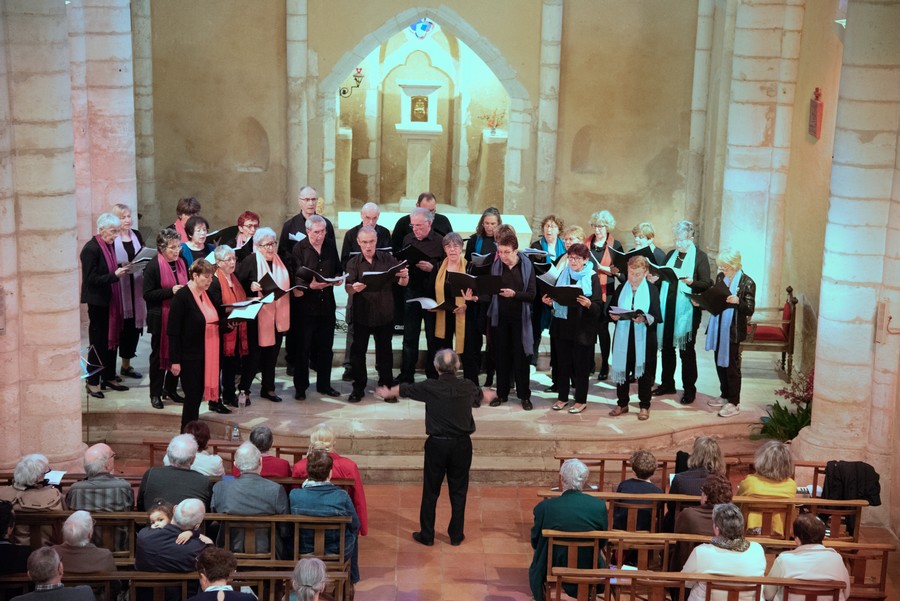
551 243
574 328
727 330
634 341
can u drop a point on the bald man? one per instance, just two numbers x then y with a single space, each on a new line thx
100 491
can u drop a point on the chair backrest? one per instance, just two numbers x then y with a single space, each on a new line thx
642 555
633 509
733 592
836 520
245 539
572 547
314 538
768 513
657 589
868 572
810 592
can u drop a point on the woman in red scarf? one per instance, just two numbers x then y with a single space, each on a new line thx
274 319
235 355
193 331
100 276
162 279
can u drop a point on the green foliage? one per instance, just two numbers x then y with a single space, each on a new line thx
783 424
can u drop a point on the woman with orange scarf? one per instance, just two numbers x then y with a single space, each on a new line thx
602 222
274 319
235 353
193 331
460 320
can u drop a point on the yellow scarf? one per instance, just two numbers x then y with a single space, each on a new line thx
440 327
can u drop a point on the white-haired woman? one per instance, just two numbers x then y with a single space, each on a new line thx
460 323
600 243
128 244
727 330
30 493
309 579
102 293
266 332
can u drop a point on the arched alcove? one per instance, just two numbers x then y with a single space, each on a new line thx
586 150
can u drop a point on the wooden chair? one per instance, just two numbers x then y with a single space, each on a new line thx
810 592
768 511
655 589
246 537
868 573
733 591
835 519
633 507
573 543
323 530
767 333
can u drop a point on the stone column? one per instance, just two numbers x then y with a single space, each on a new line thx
80 121
297 102
548 108
764 73
142 51
699 101
855 406
41 390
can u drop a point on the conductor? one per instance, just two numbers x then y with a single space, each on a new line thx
448 449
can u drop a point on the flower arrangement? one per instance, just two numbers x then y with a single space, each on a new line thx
780 422
494 119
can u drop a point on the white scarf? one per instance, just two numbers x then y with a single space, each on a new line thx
632 300
683 310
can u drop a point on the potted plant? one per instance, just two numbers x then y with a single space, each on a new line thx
494 119
784 422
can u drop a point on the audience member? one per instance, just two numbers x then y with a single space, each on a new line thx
77 552
100 491
698 519
322 439
13 557
727 554
705 459
30 493
572 511
773 478
643 464
46 570
160 514
204 462
176 481
319 497
272 466
215 568
811 560
309 579
251 494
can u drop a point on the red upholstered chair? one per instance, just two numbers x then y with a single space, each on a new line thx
772 330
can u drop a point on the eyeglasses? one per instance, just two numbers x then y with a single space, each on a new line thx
266 245
308 199
174 247
598 226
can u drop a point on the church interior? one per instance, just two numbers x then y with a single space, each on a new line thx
772 125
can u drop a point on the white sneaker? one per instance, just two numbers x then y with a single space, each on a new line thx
729 410
716 402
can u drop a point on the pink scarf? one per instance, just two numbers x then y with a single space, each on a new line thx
115 298
167 280
210 345
179 227
132 304
278 316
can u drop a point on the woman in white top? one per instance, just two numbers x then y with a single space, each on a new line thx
728 554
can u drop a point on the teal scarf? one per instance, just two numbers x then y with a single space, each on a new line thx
568 276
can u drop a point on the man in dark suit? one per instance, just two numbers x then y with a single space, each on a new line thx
572 511
251 494
46 570
174 482
681 320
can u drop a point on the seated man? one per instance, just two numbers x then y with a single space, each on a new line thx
46 570
100 491
319 497
811 560
272 466
157 549
251 494
176 481
572 511
13 557
643 464
80 556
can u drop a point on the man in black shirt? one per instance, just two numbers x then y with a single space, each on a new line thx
373 313
421 283
448 450
314 318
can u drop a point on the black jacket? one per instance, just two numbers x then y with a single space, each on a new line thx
702 280
582 325
295 224
186 328
403 228
154 295
315 302
96 280
350 245
746 293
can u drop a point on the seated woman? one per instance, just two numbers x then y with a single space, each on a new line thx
773 479
728 554
309 579
643 464
715 490
29 493
319 497
705 459
205 462
322 439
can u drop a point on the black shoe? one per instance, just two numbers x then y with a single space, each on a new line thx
476 404
230 402
218 407
417 536
110 385
552 388
602 376
347 376
330 392
457 542
271 396
355 397
129 372
497 401
156 402
526 405
173 396
686 400
660 390
299 396
390 399
94 393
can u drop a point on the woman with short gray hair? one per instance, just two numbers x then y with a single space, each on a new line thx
728 554
30 493
101 291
